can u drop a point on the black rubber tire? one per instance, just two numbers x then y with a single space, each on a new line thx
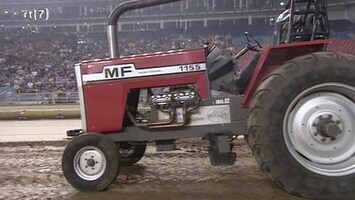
108 148
265 124
137 153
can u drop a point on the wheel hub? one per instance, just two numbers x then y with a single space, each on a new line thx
332 130
326 127
89 163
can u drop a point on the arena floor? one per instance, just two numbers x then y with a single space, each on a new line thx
32 170
36 130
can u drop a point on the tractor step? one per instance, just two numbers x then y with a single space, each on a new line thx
220 150
165 145
75 132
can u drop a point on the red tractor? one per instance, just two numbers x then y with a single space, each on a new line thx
294 105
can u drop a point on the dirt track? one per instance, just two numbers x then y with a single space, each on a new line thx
32 171
36 130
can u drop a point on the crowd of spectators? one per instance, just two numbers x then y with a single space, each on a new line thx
41 63
88 9
45 63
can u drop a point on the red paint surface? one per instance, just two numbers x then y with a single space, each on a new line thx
148 60
105 101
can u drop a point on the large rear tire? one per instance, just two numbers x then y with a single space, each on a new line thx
301 126
90 162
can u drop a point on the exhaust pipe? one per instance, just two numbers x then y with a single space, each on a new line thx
116 14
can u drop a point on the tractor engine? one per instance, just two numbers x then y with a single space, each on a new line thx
168 109
175 98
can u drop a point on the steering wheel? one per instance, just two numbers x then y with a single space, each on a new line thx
250 38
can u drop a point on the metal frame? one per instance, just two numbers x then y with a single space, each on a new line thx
236 127
79 81
139 134
320 23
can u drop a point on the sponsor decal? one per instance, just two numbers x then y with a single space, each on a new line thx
217 115
222 101
117 72
204 115
130 71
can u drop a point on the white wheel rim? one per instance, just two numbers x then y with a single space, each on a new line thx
319 129
89 163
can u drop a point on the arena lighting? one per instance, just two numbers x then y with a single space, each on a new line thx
15 13
2 25
282 4
6 12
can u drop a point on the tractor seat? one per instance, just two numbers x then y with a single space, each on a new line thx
220 69
245 77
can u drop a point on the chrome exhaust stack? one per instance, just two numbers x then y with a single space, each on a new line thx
118 12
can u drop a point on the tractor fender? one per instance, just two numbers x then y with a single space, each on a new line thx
274 56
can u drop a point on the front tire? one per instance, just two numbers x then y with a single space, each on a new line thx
301 126
90 162
131 153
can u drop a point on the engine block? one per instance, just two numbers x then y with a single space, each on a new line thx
187 97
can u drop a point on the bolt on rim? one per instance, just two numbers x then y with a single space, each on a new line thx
319 130
89 163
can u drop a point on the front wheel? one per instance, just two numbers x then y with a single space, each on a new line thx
301 126
131 153
90 162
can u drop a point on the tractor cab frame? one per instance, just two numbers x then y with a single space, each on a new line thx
303 20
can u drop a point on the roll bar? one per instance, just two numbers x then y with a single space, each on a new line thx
118 12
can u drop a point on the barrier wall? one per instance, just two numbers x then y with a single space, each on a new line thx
39 112
38 98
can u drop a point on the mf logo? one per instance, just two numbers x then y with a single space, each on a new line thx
118 71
